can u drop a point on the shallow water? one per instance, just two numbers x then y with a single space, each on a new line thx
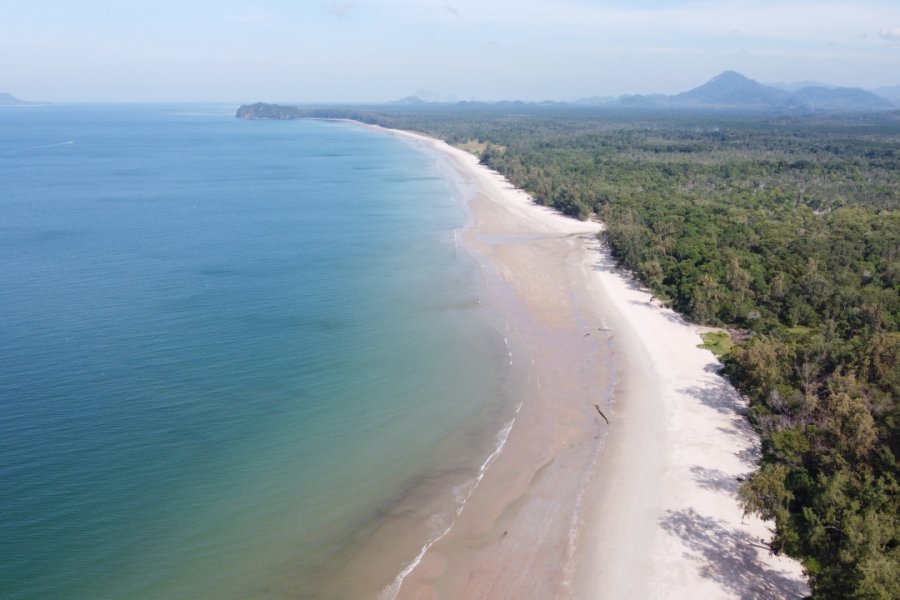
229 350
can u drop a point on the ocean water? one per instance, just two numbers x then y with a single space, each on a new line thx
228 351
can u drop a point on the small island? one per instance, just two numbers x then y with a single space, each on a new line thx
268 112
7 99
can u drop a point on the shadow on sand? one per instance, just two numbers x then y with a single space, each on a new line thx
717 394
715 480
729 558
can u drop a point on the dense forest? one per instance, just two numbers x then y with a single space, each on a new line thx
785 230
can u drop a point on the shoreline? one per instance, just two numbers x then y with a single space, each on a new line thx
574 507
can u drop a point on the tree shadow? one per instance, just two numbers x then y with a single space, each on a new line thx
606 263
717 394
666 313
750 455
714 367
729 557
715 480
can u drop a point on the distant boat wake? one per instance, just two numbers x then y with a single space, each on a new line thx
30 148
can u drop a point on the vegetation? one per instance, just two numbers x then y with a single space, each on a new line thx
719 343
478 148
785 228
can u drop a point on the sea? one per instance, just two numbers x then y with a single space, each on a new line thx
234 355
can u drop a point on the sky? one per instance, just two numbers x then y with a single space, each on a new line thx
381 50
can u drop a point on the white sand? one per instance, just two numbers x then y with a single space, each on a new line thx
666 522
658 516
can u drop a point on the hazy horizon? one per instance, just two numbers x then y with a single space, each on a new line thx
358 51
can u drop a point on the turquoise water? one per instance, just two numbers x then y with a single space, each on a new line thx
227 349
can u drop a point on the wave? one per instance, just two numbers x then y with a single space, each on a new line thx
461 493
30 148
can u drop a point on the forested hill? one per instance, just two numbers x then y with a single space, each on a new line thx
262 111
786 231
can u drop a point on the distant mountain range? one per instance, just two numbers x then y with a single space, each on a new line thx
731 90
735 91
890 92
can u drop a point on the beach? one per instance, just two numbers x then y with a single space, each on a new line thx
619 474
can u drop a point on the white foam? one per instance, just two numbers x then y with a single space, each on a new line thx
68 143
461 494
575 528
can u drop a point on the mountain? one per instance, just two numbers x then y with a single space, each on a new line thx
10 100
798 85
727 91
838 99
648 101
731 89
422 97
410 101
891 92
596 101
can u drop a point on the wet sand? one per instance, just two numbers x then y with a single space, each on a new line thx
643 505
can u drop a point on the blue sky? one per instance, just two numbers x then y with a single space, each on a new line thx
376 50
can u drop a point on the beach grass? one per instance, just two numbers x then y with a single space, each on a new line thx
477 147
717 342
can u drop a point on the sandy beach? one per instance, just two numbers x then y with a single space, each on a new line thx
619 476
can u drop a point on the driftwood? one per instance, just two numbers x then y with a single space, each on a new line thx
601 414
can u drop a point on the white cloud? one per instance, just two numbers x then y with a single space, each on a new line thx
891 35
